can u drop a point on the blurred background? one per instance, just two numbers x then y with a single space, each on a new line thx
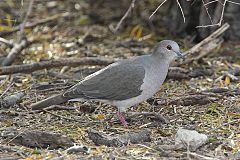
167 21
80 22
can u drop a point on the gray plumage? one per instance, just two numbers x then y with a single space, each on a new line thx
116 82
124 83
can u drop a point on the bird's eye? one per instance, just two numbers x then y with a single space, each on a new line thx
169 47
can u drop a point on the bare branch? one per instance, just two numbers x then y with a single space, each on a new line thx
233 2
220 20
181 10
157 9
207 11
9 86
212 2
205 6
7 42
214 35
125 15
28 68
10 101
16 49
162 4
206 26
121 140
22 26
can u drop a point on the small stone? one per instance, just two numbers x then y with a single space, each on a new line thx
189 139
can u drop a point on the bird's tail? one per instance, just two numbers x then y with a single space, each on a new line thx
54 100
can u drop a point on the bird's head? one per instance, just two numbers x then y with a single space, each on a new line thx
167 49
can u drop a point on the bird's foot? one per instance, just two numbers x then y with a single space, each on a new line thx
122 119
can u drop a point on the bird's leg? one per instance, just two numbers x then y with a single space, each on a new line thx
122 119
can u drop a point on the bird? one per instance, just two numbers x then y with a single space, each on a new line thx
124 83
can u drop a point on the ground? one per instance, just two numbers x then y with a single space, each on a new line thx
217 117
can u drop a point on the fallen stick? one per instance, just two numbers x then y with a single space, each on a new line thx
22 26
10 101
31 25
205 46
223 90
206 50
207 40
135 137
16 49
125 15
28 68
7 42
194 155
42 139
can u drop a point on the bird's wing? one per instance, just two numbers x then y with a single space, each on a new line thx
116 82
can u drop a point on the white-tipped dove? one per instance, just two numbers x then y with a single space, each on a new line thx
124 83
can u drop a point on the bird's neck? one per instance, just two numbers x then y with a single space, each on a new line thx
161 62
158 66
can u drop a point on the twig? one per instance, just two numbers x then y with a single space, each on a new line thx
11 100
42 139
236 121
57 107
133 137
157 9
22 26
211 2
233 2
28 68
125 15
7 42
207 12
206 50
231 122
214 35
39 22
181 10
220 20
217 90
179 5
198 156
10 85
17 48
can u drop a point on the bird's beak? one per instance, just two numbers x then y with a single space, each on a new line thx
180 55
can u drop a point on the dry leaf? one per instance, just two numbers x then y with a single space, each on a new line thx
227 80
100 117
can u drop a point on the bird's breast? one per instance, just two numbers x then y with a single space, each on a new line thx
153 80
